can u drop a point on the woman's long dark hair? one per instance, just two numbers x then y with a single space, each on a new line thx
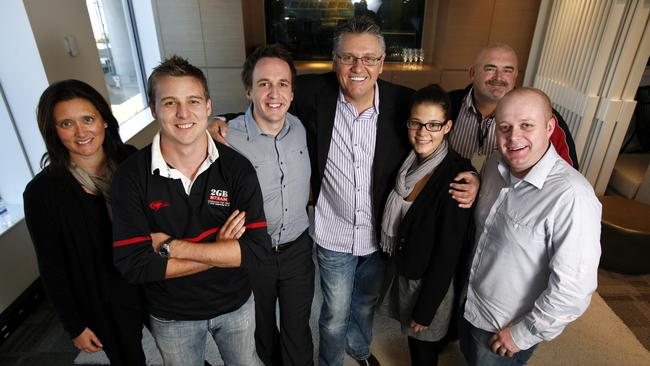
57 154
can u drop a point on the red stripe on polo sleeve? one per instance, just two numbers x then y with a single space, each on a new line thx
256 225
137 239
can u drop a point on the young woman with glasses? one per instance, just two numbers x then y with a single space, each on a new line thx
424 230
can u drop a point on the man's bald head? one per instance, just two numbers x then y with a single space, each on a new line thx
541 100
524 125
494 73
493 47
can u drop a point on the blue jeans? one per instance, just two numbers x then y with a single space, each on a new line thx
350 287
475 345
182 342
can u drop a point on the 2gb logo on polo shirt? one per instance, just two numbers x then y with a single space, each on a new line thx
219 197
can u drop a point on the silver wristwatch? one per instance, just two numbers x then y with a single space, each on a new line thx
165 248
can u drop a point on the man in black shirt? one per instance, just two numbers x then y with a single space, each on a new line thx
188 220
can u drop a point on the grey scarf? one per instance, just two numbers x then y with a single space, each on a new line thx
409 174
98 185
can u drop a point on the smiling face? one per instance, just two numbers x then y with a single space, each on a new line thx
271 92
494 74
357 81
523 127
425 142
182 110
81 129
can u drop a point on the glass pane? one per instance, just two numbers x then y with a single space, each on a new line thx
306 27
118 56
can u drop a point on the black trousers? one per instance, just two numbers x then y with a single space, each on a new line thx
425 353
286 276
120 331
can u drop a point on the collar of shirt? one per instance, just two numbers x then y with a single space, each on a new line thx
158 161
253 130
468 102
375 102
537 175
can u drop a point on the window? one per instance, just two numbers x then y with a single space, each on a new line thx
121 63
306 27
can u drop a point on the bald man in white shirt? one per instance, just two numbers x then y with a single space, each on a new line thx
538 240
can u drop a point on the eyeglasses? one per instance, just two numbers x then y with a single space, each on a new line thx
366 60
431 126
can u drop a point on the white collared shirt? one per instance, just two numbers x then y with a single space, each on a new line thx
165 170
537 251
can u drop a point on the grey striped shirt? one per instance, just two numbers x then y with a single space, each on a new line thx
343 220
470 128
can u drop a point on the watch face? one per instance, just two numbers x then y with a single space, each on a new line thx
164 250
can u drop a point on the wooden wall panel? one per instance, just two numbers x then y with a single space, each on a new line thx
466 30
513 22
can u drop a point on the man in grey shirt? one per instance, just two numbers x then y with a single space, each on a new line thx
274 141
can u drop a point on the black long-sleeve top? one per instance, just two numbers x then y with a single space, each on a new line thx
71 233
146 202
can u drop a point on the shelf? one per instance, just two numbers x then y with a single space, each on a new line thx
323 66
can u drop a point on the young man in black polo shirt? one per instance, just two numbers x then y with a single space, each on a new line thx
181 190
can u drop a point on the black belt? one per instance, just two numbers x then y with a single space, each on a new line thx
282 247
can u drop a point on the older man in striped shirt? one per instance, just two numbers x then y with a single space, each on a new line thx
493 74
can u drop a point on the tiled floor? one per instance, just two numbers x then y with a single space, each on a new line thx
629 297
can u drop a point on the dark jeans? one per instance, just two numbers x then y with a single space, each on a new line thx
475 345
287 276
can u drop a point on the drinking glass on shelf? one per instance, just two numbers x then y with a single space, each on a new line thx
404 55
420 55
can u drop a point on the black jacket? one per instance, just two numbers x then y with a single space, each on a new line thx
314 102
432 237
71 232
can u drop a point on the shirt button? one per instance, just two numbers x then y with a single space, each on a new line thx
286 209
402 240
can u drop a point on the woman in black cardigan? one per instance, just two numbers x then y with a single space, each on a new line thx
424 229
67 210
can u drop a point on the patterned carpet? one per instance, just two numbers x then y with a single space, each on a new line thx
629 297
41 340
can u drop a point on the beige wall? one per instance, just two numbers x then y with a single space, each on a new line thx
51 22
210 33
465 26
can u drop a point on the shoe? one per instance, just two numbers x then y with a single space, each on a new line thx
370 361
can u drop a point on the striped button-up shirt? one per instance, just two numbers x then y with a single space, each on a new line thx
471 132
343 220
